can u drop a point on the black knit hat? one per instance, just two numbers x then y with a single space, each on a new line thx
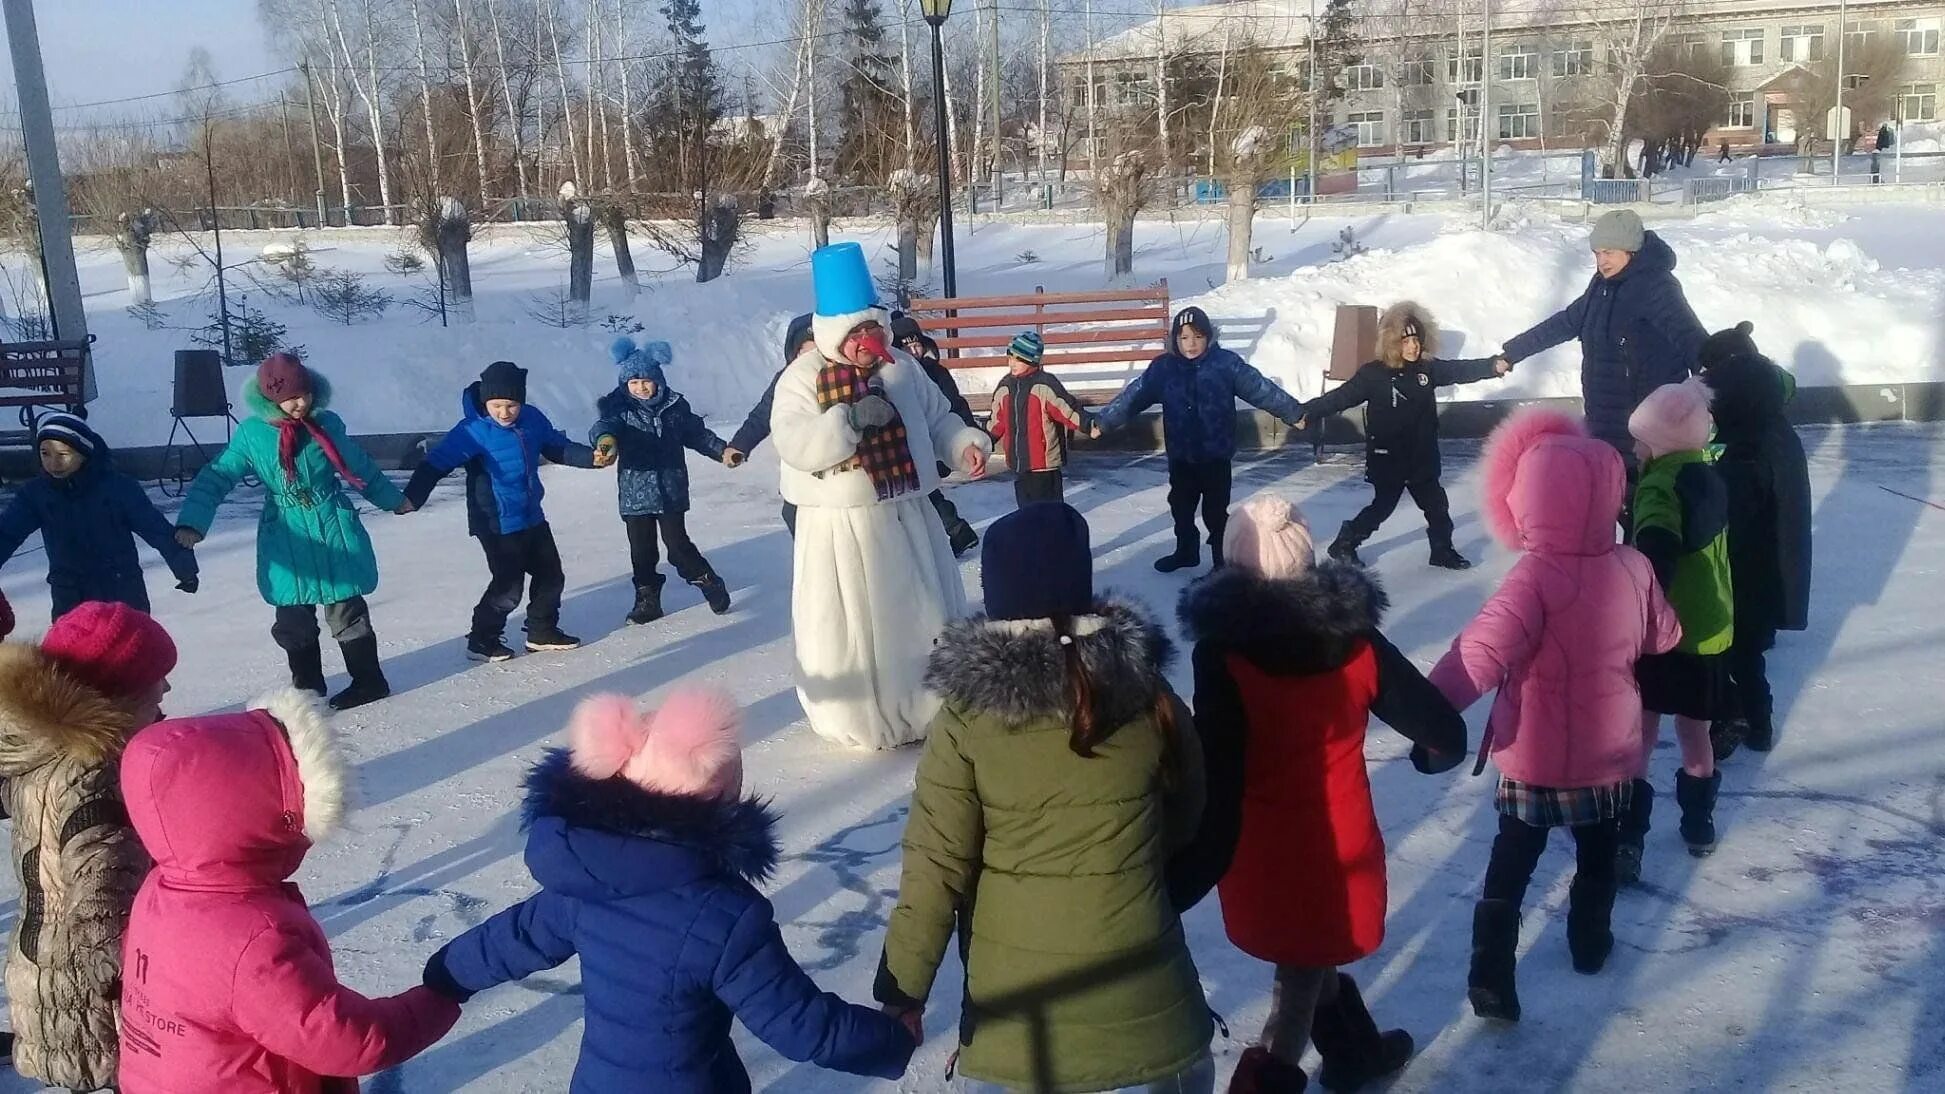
795 336
1194 318
904 327
1412 329
1037 563
1728 345
503 380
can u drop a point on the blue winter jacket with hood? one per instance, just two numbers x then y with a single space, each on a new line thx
503 489
656 893
1636 333
1198 397
650 434
88 522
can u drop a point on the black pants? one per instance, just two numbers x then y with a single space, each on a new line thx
296 625
1516 851
948 514
646 560
511 559
1198 484
1431 500
1749 672
1030 486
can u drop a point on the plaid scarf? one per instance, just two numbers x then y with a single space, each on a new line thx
885 453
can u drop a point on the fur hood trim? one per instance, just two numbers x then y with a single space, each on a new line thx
1233 607
1015 670
737 835
320 760
269 411
48 714
829 331
1391 332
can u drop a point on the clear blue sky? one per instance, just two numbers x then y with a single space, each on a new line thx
106 49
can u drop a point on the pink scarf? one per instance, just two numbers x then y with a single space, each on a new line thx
289 439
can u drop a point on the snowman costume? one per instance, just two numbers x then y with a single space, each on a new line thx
875 581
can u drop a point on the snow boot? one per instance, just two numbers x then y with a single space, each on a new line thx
962 537
1761 736
1186 555
1634 833
1258 1072
648 605
307 669
713 591
1495 942
1449 558
488 649
1726 735
550 639
1590 924
368 683
1355 1053
1696 796
1344 547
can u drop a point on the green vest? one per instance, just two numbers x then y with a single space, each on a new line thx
1701 593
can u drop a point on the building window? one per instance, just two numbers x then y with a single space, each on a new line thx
1742 48
1918 102
1370 128
1416 73
1519 62
1577 59
1519 121
1742 110
1920 36
1801 43
1857 35
1452 120
1365 77
1130 88
1418 128
1465 70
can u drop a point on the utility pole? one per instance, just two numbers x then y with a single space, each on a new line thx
1485 113
290 149
317 146
1310 134
999 144
1835 125
69 320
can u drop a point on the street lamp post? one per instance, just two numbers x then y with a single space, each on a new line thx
935 12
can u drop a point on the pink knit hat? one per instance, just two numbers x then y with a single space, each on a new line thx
118 650
1268 536
1673 418
687 747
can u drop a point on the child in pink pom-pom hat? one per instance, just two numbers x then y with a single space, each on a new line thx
648 855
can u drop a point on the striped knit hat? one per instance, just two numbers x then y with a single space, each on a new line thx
70 430
1027 347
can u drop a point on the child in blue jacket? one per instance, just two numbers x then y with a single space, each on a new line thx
646 424
501 442
648 854
88 515
1197 382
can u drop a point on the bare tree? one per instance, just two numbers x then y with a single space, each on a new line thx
474 105
1873 68
579 215
370 91
1629 31
516 115
1121 189
614 217
452 230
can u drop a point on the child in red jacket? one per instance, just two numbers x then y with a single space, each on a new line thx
1289 667
228 986
1032 415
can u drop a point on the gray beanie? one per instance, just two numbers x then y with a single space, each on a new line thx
1619 230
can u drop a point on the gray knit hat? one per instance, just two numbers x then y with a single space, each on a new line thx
1619 230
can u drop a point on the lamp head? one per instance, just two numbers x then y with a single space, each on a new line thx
935 11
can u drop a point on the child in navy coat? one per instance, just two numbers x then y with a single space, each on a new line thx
501 442
648 854
646 424
88 515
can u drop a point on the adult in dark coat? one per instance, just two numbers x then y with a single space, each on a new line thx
1635 328
1769 520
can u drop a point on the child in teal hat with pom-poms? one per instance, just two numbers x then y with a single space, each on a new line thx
646 424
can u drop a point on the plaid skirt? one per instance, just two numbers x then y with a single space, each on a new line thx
1551 807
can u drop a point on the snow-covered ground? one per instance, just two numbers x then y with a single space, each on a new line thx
1804 955
1852 296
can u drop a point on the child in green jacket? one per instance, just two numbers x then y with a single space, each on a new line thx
1681 522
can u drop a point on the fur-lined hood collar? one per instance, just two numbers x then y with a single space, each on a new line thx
608 838
1014 670
263 408
1335 600
1391 333
47 714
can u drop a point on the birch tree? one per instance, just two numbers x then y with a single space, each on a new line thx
515 115
474 105
368 88
425 97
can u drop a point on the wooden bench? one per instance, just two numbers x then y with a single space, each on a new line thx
1115 332
39 377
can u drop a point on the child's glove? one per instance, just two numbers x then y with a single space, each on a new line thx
190 584
1428 762
438 979
604 452
872 412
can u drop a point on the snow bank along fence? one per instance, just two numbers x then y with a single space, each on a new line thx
1113 333
38 377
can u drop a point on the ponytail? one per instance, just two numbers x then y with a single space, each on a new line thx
1082 736
1165 703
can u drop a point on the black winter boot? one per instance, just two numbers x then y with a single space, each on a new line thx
1495 942
1726 735
307 668
368 683
1258 1072
648 605
1634 833
1354 1052
713 591
1590 924
1186 555
962 537
1762 734
1697 799
1447 557
1344 547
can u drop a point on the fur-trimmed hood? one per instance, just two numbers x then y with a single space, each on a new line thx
599 839
233 802
1335 601
1391 332
1014 670
48 714
263 408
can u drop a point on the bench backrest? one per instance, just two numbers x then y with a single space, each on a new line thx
1115 332
50 374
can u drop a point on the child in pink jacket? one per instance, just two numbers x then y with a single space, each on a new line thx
227 978
1559 641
